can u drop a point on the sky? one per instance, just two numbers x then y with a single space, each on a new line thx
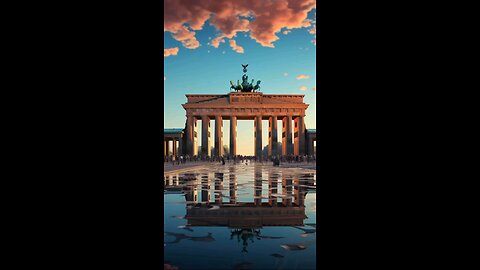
206 41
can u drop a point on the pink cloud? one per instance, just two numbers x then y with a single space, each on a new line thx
302 77
235 47
314 88
170 51
263 19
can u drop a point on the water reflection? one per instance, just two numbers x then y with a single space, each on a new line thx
274 198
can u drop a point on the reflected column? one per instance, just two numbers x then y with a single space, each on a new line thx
272 188
205 189
258 186
300 191
191 192
218 188
287 190
233 185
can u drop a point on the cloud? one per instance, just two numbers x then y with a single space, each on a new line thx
187 38
286 32
303 88
216 41
262 19
313 31
314 88
164 77
302 77
170 51
285 74
235 47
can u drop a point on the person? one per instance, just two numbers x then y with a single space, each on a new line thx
223 161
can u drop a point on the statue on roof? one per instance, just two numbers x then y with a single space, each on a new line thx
245 86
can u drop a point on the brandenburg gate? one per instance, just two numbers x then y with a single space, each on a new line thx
246 104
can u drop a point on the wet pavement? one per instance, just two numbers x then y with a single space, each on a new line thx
253 216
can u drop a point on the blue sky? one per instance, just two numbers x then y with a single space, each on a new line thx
208 70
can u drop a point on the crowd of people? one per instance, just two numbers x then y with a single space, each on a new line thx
239 158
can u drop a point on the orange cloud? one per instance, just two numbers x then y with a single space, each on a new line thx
263 19
303 88
314 88
302 77
187 38
216 41
235 47
170 51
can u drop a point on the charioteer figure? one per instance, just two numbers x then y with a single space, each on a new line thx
245 86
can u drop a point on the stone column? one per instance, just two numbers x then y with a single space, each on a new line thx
296 138
272 136
164 147
167 146
287 147
218 136
233 136
301 135
174 150
180 146
190 136
195 137
258 136
206 136
312 147
289 135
